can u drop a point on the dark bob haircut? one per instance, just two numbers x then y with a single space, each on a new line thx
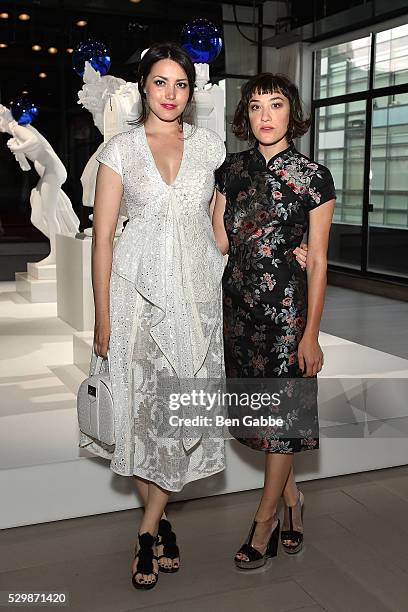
270 83
157 52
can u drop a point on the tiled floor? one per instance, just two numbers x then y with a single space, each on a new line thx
355 557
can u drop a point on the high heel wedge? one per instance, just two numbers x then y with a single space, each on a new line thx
256 558
292 534
167 538
145 557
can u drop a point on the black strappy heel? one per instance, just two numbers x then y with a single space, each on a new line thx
167 538
145 561
292 534
255 558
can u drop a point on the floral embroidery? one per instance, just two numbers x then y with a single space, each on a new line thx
265 290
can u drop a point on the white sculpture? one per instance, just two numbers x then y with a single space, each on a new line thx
51 209
112 103
95 93
92 96
121 107
209 102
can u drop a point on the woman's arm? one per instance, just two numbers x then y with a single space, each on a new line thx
108 195
220 234
26 144
309 352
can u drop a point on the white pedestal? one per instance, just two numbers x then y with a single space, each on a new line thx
38 284
82 349
36 270
74 282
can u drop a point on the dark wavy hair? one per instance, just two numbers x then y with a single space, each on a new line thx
157 52
270 83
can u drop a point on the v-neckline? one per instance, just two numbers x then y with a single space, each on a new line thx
150 152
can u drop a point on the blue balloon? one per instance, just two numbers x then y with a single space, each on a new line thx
93 51
23 111
202 40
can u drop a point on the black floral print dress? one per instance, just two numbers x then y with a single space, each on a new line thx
264 287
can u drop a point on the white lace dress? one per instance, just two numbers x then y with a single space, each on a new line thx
165 307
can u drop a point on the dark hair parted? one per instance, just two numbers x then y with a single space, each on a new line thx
157 52
270 83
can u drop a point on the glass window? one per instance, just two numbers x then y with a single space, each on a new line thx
388 220
391 57
389 174
340 147
342 69
340 144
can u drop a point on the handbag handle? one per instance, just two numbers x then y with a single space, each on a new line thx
99 362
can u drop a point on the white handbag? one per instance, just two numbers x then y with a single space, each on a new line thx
95 405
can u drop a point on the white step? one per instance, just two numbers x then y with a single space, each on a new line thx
86 487
36 290
45 272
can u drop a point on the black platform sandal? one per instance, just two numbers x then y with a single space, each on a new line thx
291 534
145 561
255 558
167 538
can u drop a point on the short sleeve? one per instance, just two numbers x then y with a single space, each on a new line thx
321 188
221 153
220 174
110 156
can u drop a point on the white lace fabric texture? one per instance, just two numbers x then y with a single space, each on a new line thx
165 307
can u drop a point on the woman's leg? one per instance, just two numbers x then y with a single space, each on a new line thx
291 498
142 487
290 492
155 504
277 469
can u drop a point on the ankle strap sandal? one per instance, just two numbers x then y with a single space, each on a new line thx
167 538
295 537
145 561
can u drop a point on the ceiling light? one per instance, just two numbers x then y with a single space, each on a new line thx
53 50
70 50
4 15
24 92
3 46
81 23
24 17
135 1
43 75
36 47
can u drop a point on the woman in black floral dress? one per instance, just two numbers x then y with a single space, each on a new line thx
267 197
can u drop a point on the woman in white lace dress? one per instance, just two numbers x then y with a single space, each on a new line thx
158 294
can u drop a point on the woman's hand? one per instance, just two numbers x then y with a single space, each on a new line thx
220 234
301 255
101 337
310 356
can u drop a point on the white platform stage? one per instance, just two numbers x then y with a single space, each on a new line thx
44 476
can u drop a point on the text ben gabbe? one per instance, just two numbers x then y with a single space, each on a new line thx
207 401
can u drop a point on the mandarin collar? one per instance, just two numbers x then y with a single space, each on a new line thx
256 153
